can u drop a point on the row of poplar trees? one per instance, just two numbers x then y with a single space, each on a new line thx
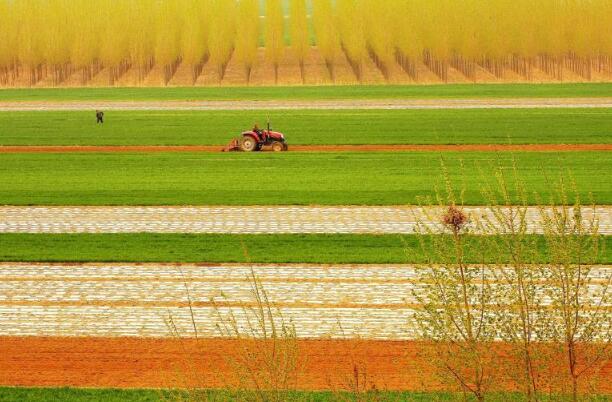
60 37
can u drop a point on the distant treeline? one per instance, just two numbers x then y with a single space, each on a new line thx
59 37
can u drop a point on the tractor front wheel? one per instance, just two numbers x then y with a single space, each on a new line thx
278 146
248 144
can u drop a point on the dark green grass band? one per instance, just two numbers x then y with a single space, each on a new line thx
316 92
144 395
285 179
313 127
219 248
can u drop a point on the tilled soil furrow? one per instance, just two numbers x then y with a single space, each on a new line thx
61 149
210 363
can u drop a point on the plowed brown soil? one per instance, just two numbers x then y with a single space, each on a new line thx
137 362
312 148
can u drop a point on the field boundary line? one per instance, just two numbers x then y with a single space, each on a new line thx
258 265
10 149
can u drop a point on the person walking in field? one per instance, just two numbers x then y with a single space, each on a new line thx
99 117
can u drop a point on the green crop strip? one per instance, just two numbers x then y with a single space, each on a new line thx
454 91
284 179
313 127
144 395
222 248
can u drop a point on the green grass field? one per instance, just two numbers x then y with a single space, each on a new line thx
455 91
77 395
224 248
284 179
143 395
306 127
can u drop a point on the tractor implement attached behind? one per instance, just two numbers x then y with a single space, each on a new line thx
233 146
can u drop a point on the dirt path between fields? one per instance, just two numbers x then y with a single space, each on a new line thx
309 148
396 219
207 363
514 103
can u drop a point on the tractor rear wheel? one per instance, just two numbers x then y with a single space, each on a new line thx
277 146
248 144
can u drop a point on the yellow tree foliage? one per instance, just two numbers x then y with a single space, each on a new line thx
350 19
601 20
326 33
222 33
84 50
30 50
114 42
437 17
8 33
378 19
408 34
489 43
274 32
63 36
194 35
464 35
247 34
167 32
168 36
142 40
300 37
56 40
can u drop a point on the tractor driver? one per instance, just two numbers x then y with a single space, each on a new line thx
260 133
256 129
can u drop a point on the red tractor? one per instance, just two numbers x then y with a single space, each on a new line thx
258 140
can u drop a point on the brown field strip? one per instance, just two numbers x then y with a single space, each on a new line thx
159 363
311 148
